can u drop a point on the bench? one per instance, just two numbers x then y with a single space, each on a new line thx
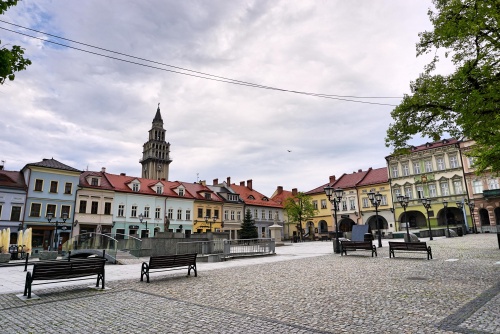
65 270
346 245
409 247
169 262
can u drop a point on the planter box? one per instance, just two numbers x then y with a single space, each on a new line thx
47 255
4 258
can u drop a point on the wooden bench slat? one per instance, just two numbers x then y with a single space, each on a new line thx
409 247
169 262
354 245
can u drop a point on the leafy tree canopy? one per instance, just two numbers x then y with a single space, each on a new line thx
299 208
465 103
11 60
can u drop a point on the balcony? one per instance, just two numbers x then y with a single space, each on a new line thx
491 193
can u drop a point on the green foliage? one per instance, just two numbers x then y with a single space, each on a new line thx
465 103
299 209
248 229
11 60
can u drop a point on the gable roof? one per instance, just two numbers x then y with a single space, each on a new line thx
280 198
52 163
246 193
196 190
350 180
375 176
104 181
120 183
12 179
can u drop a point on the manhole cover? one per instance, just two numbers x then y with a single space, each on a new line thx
417 278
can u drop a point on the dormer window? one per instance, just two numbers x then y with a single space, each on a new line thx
208 196
181 191
135 187
251 197
159 190
265 199
94 181
233 197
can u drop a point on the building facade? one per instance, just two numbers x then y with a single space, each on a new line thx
12 200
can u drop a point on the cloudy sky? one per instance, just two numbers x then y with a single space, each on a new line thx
90 111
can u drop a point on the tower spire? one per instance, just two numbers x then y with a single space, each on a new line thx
158 115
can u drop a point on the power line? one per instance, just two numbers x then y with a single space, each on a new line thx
197 74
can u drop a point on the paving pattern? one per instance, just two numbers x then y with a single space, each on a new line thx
316 294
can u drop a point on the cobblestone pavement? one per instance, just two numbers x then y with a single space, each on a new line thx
457 292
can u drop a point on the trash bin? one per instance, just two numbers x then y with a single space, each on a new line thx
460 231
368 237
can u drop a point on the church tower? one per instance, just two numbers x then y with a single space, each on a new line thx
156 151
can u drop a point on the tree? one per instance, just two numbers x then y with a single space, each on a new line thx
299 208
11 60
248 229
465 103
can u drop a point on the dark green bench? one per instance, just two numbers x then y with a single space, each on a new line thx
169 262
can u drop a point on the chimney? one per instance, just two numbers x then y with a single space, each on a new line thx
228 180
332 179
203 182
103 169
294 192
249 184
280 190
123 174
2 164
163 179
242 183
360 170
216 182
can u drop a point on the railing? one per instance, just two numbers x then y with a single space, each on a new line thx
111 243
228 248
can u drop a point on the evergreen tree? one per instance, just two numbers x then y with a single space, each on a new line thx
248 229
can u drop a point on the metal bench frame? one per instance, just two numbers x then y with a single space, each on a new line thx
354 245
169 262
409 247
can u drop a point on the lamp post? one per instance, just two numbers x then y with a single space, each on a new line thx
376 199
426 202
403 201
50 215
445 204
206 222
335 196
214 218
471 208
141 217
460 205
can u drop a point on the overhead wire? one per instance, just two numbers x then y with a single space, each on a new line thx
201 75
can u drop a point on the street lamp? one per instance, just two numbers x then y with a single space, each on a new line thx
206 222
460 205
471 207
445 204
50 215
403 201
214 218
426 202
141 217
335 196
376 199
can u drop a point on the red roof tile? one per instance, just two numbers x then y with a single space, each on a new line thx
259 199
12 179
349 180
281 197
198 190
120 183
375 176
427 146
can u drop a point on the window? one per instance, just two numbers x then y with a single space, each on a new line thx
158 213
226 214
352 204
232 215
35 209
263 215
209 213
135 187
121 210
146 212
384 200
68 186
188 214
315 205
323 203
65 209
397 193
51 208
15 213
200 212
133 212
233 197
477 186
83 206
255 214
440 163
432 190
159 190
179 214
493 184
394 171
277 215
420 191
238 215
94 182
444 189
107 208
365 202
94 207
38 185
428 166
471 160
53 186
181 192
216 213
208 196
270 215
170 214
416 167
0 209
458 187
408 192
344 205
453 161
406 169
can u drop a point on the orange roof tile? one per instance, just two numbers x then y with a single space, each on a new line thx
259 199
